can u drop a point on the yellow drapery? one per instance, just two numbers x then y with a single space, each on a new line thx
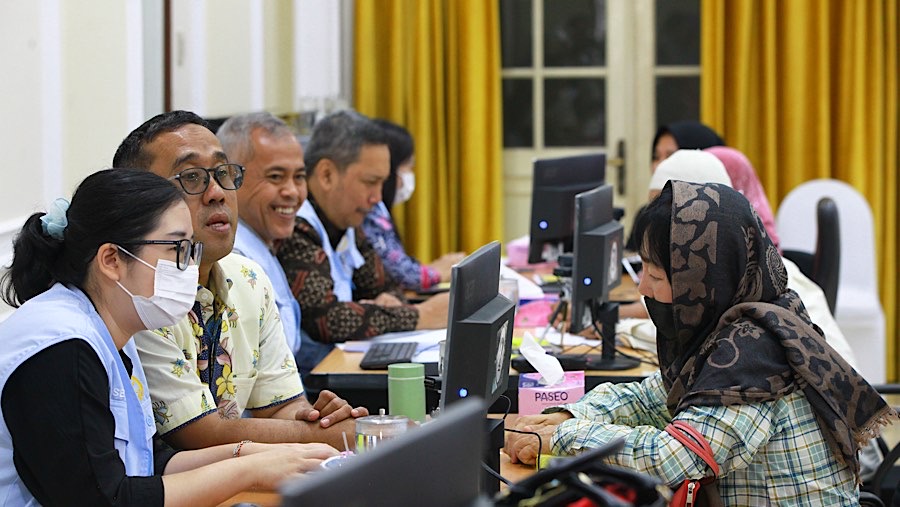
809 89
434 67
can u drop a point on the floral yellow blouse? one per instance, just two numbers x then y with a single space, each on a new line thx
228 354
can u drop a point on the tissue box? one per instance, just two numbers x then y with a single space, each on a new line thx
534 397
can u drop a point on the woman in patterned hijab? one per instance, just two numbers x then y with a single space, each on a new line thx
740 362
733 332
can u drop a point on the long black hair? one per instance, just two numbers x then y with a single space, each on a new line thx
401 146
111 206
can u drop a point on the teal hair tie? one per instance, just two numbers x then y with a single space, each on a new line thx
54 222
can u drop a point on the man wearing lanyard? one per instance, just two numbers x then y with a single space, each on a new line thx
229 354
334 273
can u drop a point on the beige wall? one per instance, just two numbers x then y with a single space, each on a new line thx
75 78
95 90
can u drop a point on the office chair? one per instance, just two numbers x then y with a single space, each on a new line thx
857 309
824 265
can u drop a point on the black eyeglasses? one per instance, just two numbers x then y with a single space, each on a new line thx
195 180
185 250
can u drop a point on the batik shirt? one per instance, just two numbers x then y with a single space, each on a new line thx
228 354
325 318
410 273
770 453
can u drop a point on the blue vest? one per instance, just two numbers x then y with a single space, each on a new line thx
61 314
343 261
249 244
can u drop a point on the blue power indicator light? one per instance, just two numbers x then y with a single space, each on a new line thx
463 392
587 280
543 225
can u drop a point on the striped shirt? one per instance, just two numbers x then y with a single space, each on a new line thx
770 453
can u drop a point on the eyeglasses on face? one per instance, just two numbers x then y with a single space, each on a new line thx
195 180
187 252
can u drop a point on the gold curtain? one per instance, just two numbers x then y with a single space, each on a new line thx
809 89
434 67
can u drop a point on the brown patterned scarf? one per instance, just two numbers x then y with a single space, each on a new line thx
741 336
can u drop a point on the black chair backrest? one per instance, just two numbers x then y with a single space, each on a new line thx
824 265
826 268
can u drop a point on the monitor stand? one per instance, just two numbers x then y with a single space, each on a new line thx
606 315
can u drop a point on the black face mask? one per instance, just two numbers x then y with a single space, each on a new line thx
663 317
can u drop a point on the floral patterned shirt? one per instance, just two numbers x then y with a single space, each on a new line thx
228 354
409 272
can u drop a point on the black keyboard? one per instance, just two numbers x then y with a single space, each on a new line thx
381 354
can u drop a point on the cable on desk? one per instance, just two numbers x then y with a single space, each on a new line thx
537 460
491 471
540 442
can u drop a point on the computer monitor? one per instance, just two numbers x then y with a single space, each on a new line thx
596 260
438 465
596 270
555 183
479 330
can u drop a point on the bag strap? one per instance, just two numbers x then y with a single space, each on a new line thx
693 440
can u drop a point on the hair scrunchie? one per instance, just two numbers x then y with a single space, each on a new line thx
54 222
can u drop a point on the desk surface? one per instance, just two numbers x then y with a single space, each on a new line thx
340 372
339 362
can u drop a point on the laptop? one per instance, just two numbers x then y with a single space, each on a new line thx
438 465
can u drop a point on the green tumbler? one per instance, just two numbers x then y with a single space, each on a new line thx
406 390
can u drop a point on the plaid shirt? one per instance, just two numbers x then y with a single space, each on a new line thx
769 453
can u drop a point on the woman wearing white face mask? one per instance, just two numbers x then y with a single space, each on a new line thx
379 226
77 423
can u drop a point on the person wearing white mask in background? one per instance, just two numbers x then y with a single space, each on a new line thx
379 224
77 417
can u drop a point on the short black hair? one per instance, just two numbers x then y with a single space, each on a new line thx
653 229
131 153
340 137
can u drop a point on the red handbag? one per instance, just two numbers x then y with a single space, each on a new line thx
688 494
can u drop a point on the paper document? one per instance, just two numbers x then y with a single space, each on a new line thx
528 290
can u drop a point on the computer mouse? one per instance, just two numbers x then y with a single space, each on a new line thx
245 504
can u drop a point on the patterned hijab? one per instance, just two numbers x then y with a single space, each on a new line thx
745 181
740 335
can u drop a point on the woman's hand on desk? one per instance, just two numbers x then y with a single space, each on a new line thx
524 448
274 463
329 409
443 264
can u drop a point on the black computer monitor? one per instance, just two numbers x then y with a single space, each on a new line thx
438 465
596 260
596 270
555 183
479 330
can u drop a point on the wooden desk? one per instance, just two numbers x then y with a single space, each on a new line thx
340 372
512 472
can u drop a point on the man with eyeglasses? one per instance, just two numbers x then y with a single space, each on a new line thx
229 354
334 272
274 187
